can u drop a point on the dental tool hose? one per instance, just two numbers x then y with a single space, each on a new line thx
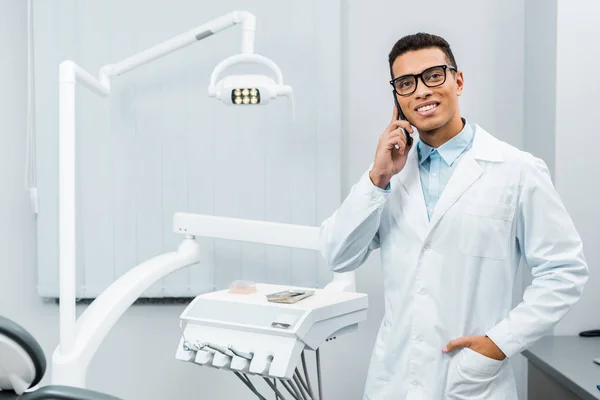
298 387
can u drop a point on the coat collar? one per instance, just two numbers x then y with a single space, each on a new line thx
485 148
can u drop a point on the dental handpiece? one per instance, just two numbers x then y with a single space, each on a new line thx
187 346
241 354
218 348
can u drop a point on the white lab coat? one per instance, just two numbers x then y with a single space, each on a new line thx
453 276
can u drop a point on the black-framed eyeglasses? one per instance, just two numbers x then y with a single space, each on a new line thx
406 85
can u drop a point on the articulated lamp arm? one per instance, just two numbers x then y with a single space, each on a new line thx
70 369
69 75
271 233
247 20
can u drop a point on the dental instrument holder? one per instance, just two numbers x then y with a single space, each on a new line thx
275 334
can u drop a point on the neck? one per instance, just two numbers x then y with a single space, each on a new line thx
437 137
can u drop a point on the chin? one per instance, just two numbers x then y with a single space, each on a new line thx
430 124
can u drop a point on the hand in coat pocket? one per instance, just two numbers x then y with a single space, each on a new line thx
477 377
479 344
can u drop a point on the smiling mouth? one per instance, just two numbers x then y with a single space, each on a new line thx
427 107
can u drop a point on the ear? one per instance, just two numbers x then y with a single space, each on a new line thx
460 82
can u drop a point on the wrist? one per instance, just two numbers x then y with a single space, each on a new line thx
499 354
379 180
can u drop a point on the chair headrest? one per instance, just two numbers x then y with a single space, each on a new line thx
22 360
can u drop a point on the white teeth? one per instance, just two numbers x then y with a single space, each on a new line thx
427 108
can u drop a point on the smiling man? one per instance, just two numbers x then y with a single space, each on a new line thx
453 213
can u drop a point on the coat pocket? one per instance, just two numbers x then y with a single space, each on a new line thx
485 228
475 377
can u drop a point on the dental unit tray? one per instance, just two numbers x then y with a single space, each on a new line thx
246 333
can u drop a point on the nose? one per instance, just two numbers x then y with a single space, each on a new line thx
422 91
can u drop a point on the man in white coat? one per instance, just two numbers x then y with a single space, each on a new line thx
452 214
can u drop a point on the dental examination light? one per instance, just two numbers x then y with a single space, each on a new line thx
330 311
247 89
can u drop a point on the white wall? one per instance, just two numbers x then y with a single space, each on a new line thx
18 298
17 227
540 79
576 143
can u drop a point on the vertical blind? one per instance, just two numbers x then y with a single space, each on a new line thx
159 145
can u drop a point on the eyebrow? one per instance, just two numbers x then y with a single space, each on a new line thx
416 73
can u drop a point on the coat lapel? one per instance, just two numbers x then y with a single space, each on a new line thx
485 148
414 210
467 172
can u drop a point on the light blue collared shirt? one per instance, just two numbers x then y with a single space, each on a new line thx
437 165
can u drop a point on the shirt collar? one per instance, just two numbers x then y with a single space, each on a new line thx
450 150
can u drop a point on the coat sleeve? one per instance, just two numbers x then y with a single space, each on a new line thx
351 233
552 249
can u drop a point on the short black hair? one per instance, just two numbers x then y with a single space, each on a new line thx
419 41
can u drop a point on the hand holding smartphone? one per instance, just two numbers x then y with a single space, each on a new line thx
392 152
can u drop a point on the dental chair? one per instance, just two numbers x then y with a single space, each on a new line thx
23 365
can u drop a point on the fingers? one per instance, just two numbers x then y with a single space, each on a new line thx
393 127
401 124
400 147
396 140
464 341
395 113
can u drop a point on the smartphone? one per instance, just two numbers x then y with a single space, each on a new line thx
402 117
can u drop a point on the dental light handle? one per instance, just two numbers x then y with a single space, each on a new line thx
287 91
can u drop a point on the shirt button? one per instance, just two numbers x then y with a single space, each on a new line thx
422 291
418 338
415 383
426 247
